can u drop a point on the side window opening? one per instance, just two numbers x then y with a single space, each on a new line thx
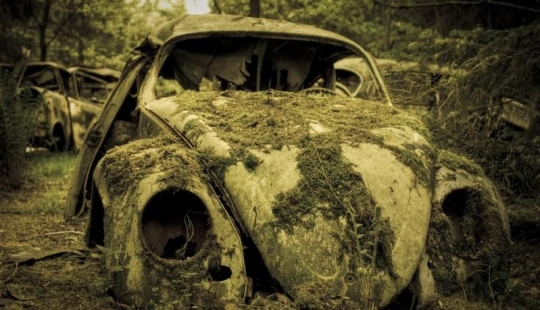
349 79
44 78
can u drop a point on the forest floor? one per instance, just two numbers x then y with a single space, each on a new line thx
44 263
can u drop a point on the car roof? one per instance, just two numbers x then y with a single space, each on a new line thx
104 73
206 25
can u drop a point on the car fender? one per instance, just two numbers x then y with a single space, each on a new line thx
469 229
149 207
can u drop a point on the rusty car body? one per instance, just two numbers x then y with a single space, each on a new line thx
66 112
224 169
94 84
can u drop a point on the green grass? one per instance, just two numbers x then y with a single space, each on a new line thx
45 186
51 166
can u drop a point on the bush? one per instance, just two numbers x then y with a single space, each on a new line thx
18 111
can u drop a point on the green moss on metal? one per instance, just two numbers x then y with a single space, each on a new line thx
271 120
454 162
318 125
413 161
248 120
128 164
474 236
331 188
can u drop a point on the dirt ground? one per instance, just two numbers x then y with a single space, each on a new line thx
44 263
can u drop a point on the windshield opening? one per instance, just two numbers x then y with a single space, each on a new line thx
248 64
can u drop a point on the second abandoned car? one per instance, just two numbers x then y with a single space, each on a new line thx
67 104
224 168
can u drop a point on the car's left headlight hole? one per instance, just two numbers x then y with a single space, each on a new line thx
174 224
455 203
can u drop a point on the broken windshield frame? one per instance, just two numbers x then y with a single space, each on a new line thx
248 63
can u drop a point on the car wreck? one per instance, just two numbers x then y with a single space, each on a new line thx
68 102
224 170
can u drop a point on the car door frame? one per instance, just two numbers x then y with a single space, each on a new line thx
88 156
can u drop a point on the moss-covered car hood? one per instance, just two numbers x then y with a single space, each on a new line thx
334 191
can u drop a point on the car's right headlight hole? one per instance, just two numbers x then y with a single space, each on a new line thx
174 224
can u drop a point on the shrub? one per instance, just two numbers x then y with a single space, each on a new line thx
18 110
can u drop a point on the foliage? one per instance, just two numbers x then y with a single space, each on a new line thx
18 111
482 69
77 32
346 17
473 118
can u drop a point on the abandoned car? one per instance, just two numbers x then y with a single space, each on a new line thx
224 169
94 84
66 112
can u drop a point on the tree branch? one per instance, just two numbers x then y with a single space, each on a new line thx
59 29
450 2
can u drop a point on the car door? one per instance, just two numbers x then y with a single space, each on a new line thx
86 105
90 151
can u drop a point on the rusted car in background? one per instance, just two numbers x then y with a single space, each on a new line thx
94 84
67 110
225 170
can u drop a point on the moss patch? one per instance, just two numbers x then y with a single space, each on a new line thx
331 188
454 161
474 236
412 160
143 155
249 121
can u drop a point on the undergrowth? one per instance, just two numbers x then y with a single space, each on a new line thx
484 71
18 111
44 186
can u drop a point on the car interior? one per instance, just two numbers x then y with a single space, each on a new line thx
249 64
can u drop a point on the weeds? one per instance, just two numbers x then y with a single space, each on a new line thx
502 291
47 179
50 166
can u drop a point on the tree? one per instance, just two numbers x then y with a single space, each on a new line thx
255 8
54 13
17 115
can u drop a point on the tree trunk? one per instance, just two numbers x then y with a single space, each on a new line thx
255 8
43 30
13 125
388 30
81 39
